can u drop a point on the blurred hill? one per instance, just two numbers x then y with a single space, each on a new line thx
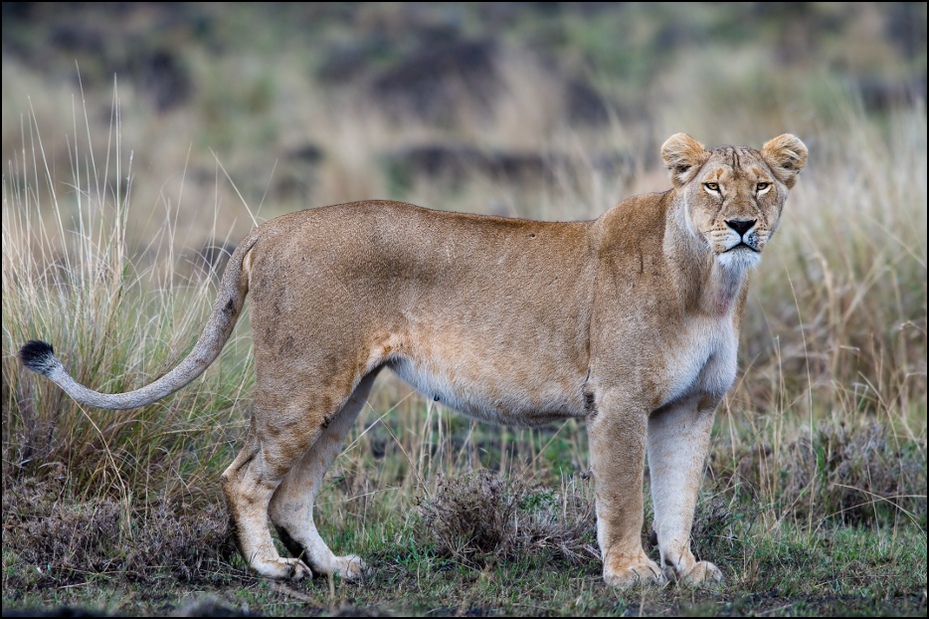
411 51
312 103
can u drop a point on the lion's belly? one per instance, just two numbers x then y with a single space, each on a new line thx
516 397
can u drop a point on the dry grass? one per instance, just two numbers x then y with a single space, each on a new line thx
482 517
124 311
67 540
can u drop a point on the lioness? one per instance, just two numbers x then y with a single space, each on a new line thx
630 322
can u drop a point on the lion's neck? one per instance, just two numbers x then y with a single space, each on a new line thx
723 287
702 283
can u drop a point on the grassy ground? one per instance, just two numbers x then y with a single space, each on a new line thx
814 500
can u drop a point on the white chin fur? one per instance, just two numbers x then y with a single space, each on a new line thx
739 259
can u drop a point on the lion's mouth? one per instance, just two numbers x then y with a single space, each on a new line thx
743 245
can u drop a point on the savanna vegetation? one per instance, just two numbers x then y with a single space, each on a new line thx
141 141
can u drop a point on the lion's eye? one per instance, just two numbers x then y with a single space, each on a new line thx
712 186
762 186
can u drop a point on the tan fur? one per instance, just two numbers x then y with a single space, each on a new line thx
630 321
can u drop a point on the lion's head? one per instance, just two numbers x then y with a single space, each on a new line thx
734 194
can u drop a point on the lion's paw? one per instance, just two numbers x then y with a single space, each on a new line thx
349 567
701 574
283 569
640 571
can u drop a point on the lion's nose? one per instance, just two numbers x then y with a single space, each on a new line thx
740 225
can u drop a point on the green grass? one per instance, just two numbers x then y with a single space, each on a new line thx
841 570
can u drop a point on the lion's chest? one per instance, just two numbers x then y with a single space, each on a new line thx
701 360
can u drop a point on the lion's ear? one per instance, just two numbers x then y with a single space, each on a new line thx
682 155
786 155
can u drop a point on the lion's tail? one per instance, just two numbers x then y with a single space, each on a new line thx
40 357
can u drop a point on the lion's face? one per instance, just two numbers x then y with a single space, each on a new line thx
734 195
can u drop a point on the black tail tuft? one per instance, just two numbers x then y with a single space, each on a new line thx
38 356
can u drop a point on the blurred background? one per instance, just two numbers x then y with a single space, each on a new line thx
450 105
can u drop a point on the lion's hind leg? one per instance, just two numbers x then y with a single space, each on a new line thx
291 507
290 415
248 484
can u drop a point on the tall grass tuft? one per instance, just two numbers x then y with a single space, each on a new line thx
72 277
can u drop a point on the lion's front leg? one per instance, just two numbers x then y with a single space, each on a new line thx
678 439
617 457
